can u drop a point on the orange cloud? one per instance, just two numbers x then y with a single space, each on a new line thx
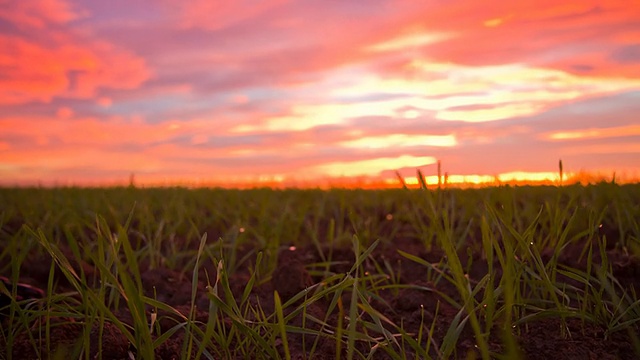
619 148
64 112
113 131
37 13
63 157
219 14
59 62
68 69
496 21
413 39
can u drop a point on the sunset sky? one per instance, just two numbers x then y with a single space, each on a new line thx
208 91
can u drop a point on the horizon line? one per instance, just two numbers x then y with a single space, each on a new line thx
516 178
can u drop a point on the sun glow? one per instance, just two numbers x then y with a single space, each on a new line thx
517 177
372 167
523 176
411 40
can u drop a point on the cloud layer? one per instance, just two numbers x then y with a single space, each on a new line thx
223 92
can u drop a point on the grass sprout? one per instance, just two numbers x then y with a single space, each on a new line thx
428 273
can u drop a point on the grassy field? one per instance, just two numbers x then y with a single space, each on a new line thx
502 272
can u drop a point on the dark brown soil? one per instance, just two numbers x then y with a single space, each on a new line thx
546 338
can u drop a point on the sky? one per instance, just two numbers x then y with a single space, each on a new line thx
304 92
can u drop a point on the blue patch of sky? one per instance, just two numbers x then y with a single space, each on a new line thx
606 104
221 142
146 107
269 100
361 8
160 108
627 54
80 107
187 106
116 10
606 111
9 28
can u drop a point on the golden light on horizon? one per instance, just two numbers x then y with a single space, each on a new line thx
372 167
524 176
491 180
355 181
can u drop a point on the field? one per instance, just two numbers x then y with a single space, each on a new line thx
501 272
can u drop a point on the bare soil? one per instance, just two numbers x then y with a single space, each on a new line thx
547 338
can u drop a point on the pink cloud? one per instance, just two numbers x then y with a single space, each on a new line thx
48 58
216 14
37 13
573 37
68 69
112 132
